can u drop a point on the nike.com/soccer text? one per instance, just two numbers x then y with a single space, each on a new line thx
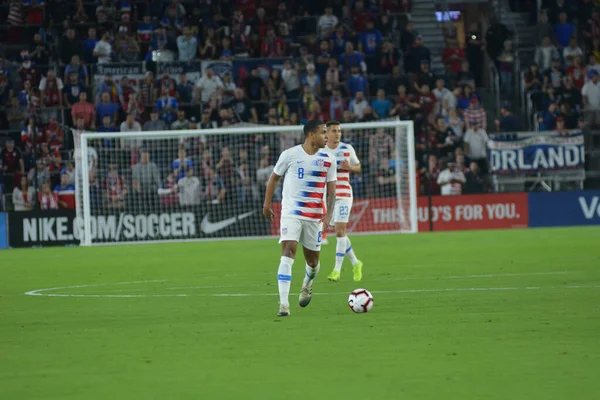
113 227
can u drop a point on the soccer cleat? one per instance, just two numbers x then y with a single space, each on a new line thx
334 276
284 311
324 241
305 296
357 271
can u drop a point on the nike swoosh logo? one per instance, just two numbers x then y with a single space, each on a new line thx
211 227
299 162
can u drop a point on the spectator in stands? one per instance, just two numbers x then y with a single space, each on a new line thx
474 52
381 145
291 81
28 71
15 115
215 188
72 91
476 113
326 23
381 106
167 106
225 51
154 123
465 77
407 37
243 109
130 124
576 73
543 28
23 196
166 82
107 108
591 99
181 122
545 54
48 200
424 77
351 58
187 45
475 144
505 63
65 192
103 49
189 189
445 99
89 44
426 101
453 55
356 82
571 51
475 181
40 51
254 86
51 88
80 71
148 87
404 105
114 188
358 105
69 170
312 80
572 94
126 47
553 76
206 86
11 162
385 179
547 118
181 164
145 181
369 39
110 87
508 122
337 41
495 37
533 79
85 110
451 180
456 123
563 30
272 46
69 46
389 58
185 90
417 54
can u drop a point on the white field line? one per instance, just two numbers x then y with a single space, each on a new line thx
371 280
43 292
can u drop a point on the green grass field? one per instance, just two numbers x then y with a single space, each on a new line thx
501 315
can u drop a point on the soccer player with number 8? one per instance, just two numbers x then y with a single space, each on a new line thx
309 173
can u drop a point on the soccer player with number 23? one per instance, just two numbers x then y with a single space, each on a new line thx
347 162
309 172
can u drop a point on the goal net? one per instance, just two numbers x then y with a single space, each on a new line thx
141 187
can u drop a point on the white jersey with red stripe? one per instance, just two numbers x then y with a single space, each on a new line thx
343 151
305 182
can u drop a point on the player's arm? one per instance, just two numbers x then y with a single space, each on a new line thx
351 164
271 186
331 190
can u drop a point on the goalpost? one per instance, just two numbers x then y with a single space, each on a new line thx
141 187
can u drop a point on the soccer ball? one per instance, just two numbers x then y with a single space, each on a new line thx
360 300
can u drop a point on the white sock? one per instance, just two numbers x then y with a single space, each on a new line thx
310 274
284 280
340 252
350 252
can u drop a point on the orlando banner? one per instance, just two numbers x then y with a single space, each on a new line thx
537 154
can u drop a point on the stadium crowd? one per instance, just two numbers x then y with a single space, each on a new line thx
347 61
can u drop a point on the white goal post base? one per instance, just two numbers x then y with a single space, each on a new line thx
149 187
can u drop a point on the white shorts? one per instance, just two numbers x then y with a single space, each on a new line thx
307 233
341 211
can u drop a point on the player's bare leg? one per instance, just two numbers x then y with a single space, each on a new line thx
312 269
284 275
